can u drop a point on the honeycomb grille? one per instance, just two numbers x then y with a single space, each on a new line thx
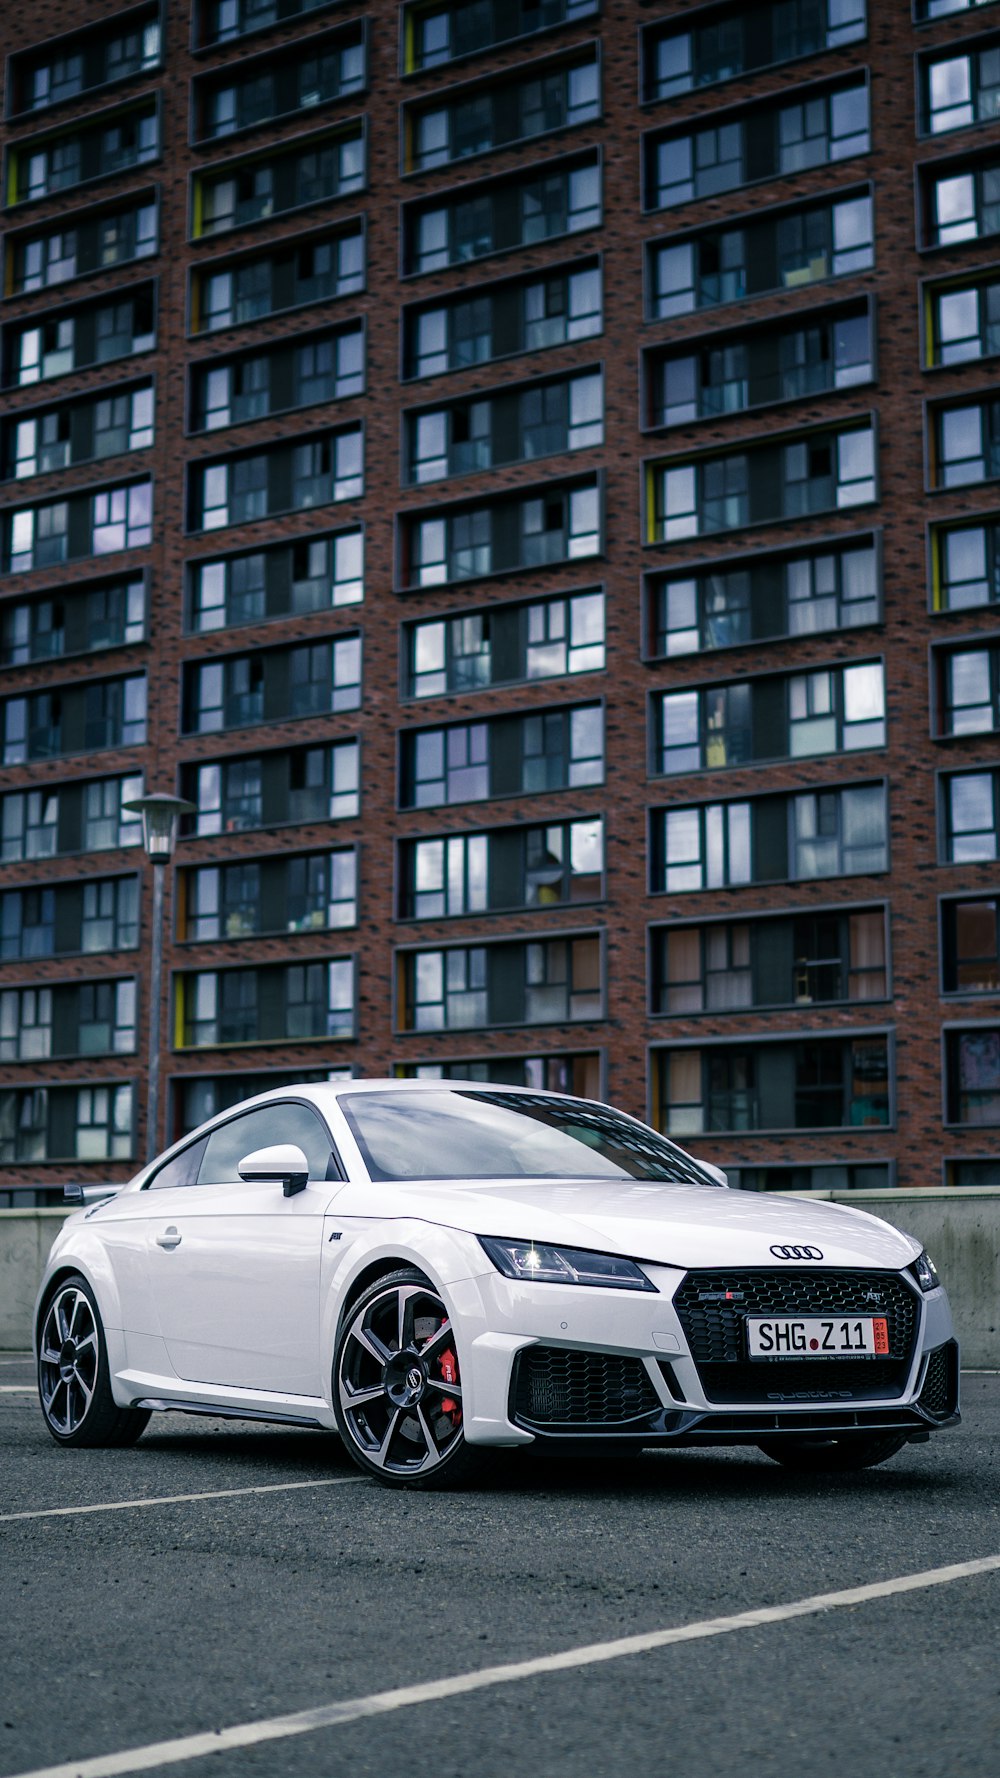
556 1387
713 1324
938 1394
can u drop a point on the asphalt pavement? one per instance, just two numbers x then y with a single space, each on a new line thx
167 1617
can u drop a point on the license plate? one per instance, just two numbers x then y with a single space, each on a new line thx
861 1336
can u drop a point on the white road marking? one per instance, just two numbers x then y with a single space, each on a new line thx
118 1506
329 1716
18 1389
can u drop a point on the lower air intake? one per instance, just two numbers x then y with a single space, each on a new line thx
559 1388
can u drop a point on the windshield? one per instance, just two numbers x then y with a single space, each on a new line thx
497 1135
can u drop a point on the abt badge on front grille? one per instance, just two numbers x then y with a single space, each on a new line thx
797 1252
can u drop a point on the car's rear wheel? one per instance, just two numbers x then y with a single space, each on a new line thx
397 1392
855 1451
73 1382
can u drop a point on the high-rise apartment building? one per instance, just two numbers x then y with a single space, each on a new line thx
528 471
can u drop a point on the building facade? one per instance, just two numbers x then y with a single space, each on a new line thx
528 472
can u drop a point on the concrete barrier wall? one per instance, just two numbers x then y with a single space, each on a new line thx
960 1229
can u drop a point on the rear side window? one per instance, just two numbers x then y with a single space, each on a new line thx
263 1128
182 1170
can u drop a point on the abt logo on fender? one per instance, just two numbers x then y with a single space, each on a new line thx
797 1252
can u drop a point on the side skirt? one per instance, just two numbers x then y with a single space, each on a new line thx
198 1407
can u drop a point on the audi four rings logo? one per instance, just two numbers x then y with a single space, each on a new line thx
797 1252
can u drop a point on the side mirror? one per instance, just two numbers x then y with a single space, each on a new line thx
284 1165
717 1176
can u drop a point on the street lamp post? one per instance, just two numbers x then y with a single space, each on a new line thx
160 816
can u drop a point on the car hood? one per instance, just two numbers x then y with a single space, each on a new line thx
678 1225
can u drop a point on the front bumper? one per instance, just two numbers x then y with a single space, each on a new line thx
575 1363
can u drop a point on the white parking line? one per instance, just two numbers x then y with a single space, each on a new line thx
329 1716
18 1389
119 1506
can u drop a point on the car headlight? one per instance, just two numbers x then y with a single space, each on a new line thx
925 1272
563 1265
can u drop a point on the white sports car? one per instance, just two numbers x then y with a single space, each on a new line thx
438 1268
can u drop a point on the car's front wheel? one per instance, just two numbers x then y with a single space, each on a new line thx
73 1382
834 1455
397 1391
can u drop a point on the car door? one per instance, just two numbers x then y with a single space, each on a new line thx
234 1268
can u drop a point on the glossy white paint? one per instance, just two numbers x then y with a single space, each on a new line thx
230 1295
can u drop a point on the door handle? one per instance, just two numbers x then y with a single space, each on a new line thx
169 1238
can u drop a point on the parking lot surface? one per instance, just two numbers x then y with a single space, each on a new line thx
238 1574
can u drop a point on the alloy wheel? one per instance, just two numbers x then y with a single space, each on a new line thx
69 1355
398 1381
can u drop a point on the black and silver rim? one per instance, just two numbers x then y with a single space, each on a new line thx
68 1360
398 1382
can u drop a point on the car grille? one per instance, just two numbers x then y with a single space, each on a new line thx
556 1387
713 1326
939 1393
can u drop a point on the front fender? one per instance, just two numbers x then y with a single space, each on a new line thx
449 1258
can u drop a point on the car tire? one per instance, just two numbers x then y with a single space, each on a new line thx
74 1386
397 1392
833 1455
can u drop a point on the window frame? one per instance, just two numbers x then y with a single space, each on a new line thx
288 52
95 28
91 123
410 208
522 940
709 12
953 898
723 116
284 148
586 52
269 349
756 1043
741 916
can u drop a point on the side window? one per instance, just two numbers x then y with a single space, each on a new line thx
182 1170
263 1128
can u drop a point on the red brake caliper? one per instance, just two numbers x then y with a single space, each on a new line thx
449 1374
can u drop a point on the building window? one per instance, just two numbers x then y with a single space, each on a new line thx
731 43
522 316
313 574
38 261
55 438
967 444
965 323
970 945
822 1083
540 420
508 534
766 142
545 866
965 206
496 217
94 332
764 484
969 691
439 31
38 168
250 192
302 784
959 90
468 762
734 372
965 566
282 86
284 478
973 1076
92 58
805 836
272 1004
837 710
793 960
318 270
459 988
800 246
836 589
971 817
494 115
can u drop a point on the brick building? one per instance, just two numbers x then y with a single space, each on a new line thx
527 470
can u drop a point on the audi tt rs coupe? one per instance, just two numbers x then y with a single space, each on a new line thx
437 1269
